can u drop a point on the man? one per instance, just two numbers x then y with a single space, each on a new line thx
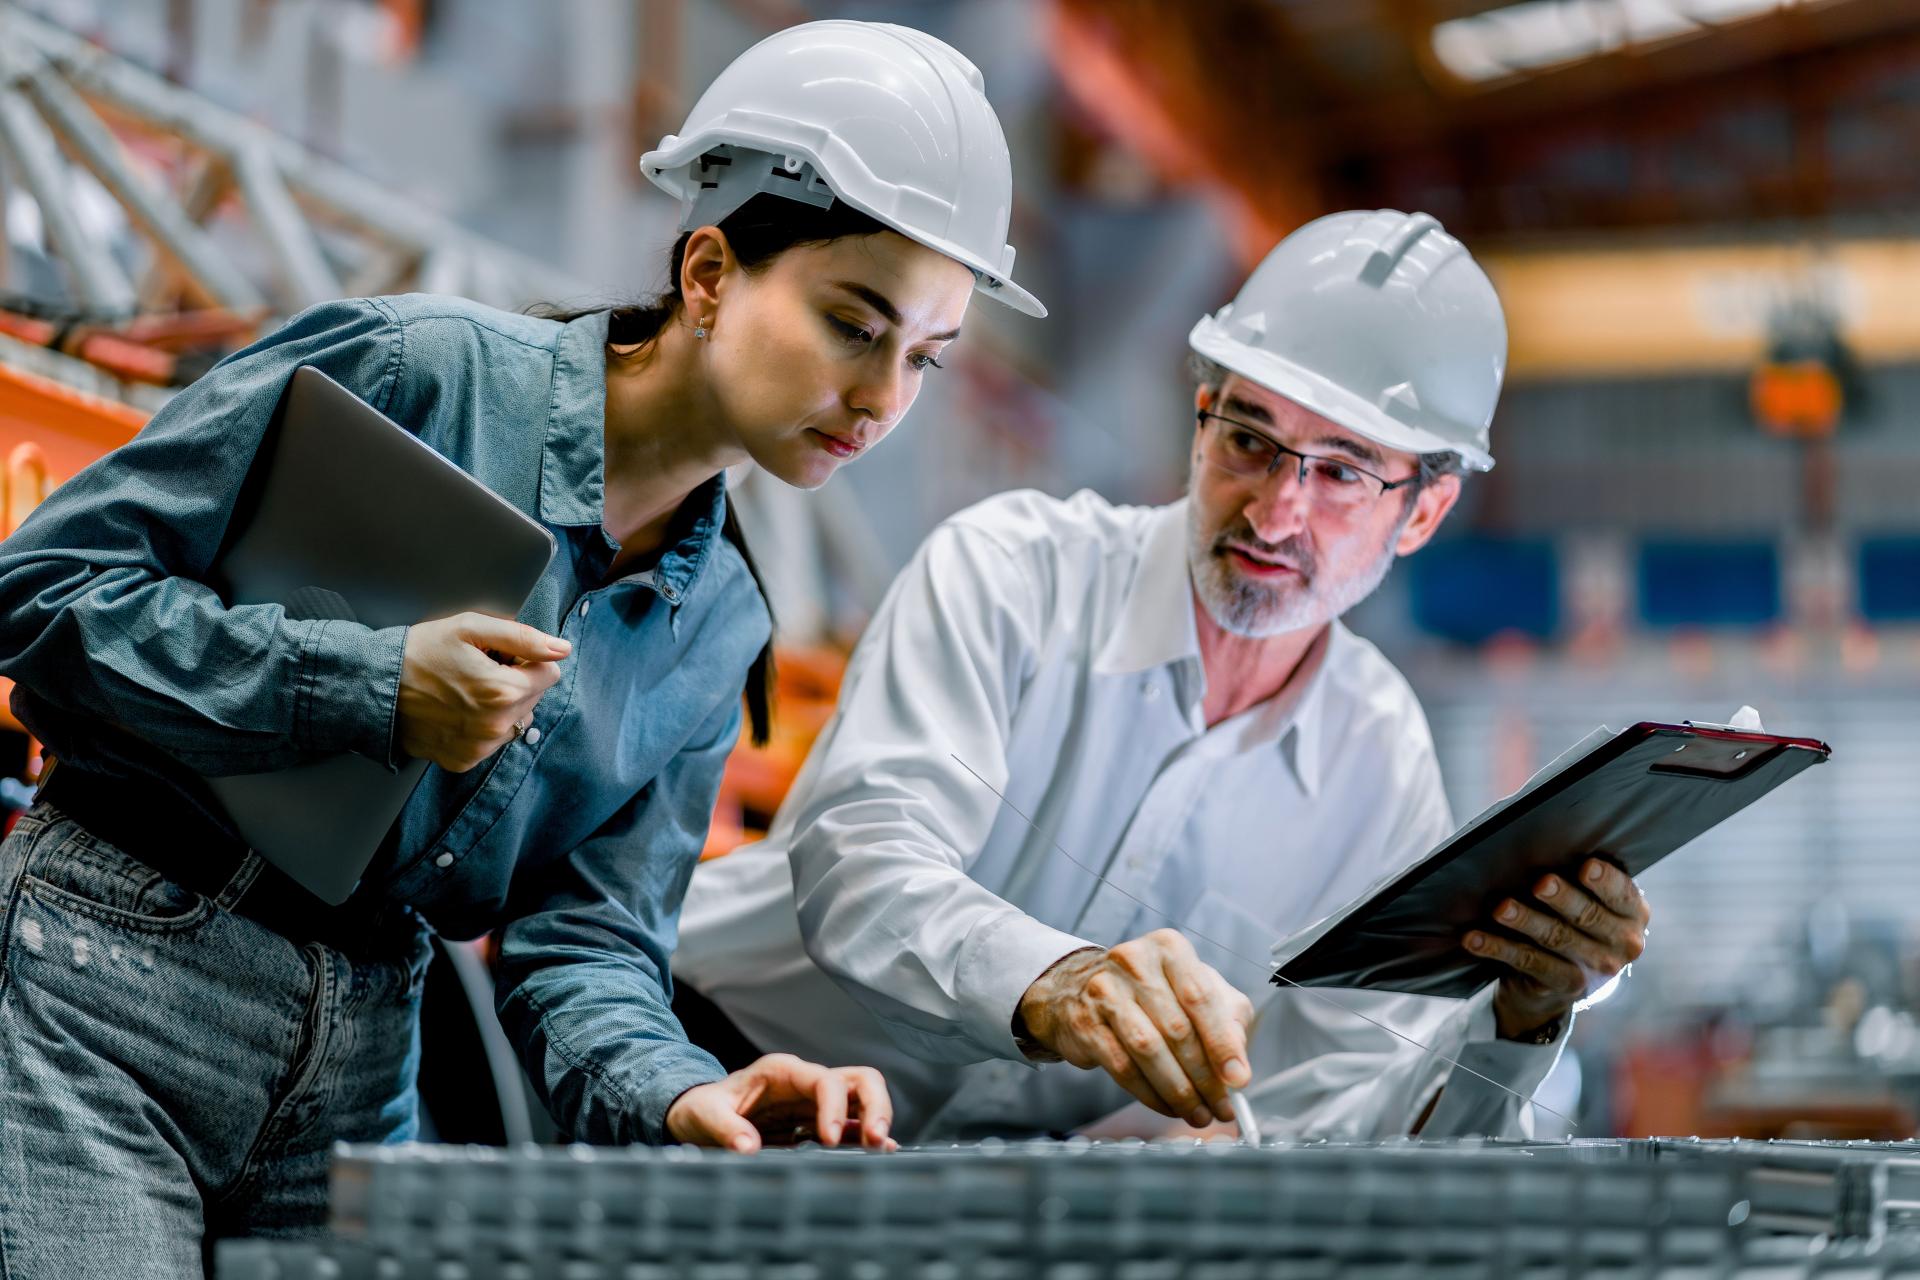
1167 697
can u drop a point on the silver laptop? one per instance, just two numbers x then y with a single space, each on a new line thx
347 515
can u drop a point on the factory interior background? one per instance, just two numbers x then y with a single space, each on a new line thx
1702 216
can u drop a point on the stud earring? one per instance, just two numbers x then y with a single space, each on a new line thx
700 330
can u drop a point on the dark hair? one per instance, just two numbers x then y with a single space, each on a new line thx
1433 466
758 232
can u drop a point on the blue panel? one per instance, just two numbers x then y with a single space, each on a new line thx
1470 589
1890 579
1709 584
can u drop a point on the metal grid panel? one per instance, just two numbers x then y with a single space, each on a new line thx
1659 1208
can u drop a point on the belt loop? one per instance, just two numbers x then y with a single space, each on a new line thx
239 882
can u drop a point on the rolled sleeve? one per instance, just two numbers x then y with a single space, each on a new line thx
349 690
583 986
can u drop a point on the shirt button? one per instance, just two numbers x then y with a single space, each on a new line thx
584 606
532 736
444 860
1153 691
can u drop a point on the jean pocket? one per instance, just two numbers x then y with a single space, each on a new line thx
73 870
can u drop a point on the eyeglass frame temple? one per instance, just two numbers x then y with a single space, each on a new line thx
1300 473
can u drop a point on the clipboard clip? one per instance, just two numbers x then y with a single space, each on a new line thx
1710 727
1745 720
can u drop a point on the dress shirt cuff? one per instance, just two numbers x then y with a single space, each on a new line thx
347 693
1000 962
1476 1101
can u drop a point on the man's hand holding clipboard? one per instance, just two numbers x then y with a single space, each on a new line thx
1616 802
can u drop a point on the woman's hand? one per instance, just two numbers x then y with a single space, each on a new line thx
468 686
781 1099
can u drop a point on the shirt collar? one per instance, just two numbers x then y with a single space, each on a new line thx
573 462
696 527
572 457
1155 627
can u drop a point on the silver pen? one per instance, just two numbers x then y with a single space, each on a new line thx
1243 1116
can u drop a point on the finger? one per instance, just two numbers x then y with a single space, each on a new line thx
714 1121
527 683
1615 888
1148 1048
1108 1052
876 1105
1551 972
1585 912
829 1107
1559 937
1179 1030
511 639
1220 1015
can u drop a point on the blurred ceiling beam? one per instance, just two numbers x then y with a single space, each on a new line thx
1710 308
1403 117
1179 84
1287 110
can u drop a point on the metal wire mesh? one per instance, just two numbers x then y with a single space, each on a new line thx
1660 1208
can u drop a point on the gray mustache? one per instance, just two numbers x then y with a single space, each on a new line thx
1295 550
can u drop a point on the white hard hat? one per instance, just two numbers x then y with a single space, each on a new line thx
1378 320
888 119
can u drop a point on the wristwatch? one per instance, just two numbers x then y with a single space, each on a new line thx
1545 1033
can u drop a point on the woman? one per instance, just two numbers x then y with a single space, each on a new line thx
184 1033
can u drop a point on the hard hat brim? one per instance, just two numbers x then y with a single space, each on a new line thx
666 165
1211 339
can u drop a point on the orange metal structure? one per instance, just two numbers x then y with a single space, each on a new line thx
48 431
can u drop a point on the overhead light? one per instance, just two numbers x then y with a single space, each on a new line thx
1535 34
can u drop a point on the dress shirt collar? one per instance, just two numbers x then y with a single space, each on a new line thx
1156 628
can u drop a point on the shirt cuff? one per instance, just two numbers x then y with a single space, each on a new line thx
347 694
1490 1097
657 1093
1001 960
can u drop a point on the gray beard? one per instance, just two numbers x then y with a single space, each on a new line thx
1251 609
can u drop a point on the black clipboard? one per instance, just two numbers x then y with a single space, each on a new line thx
1632 799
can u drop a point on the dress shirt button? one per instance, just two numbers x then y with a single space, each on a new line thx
584 606
1153 691
444 860
532 735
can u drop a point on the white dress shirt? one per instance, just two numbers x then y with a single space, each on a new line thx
898 910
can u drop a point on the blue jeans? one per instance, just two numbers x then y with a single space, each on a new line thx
171 1072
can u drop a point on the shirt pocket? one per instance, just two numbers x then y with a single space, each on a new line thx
1234 941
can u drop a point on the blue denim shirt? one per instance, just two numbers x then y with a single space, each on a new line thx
578 841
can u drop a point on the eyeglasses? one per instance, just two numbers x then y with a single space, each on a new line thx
1243 450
